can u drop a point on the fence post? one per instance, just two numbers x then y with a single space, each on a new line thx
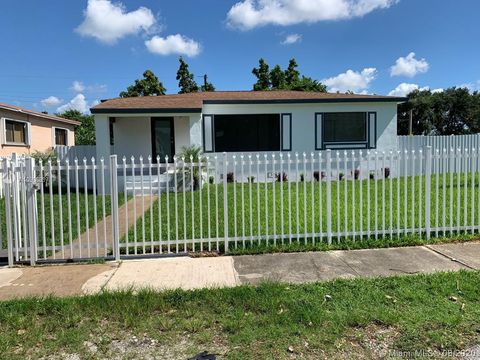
114 194
7 184
225 203
31 208
428 172
329 196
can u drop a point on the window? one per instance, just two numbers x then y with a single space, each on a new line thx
344 127
16 132
61 136
258 132
342 130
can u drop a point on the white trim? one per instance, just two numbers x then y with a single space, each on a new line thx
28 138
53 135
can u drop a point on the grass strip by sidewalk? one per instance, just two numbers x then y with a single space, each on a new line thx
359 318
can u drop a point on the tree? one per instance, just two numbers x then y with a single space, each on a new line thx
277 78
308 84
421 103
186 81
453 111
262 73
207 86
292 75
85 132
148 86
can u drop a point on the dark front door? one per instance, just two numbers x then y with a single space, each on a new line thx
163 138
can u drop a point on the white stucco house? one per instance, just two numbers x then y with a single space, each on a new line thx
243 122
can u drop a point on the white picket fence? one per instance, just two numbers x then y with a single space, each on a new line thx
447 142
223 202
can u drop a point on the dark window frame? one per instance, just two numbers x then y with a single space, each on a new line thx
111 121
354 145
55 128
214 119
25 132
282 145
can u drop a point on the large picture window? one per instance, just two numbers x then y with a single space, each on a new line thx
16 132
258 132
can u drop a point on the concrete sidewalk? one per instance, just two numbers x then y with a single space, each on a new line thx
193 273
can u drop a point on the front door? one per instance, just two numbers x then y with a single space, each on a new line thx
163 138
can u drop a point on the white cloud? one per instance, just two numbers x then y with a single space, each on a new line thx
50 101
77 103
78 87
409 66
404 89
173 44
292 39
248 14
108 22
351 80
471 86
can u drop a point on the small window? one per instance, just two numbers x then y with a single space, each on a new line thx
16 132
61 136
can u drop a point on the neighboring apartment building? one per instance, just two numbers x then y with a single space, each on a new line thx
25 131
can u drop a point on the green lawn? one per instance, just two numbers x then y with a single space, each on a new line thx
61 223
305 215
361 318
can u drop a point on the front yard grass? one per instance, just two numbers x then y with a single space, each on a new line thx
387 210
61 224
360 318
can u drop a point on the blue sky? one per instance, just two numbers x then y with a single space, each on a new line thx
59 54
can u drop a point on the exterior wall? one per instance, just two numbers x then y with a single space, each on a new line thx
182 132
133 137
41 133
303 120
132 133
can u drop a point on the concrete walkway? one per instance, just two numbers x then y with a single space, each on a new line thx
194 273
125 209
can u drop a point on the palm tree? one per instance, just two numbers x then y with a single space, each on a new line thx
193 154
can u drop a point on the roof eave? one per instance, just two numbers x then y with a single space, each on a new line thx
144 110
46 117
305 101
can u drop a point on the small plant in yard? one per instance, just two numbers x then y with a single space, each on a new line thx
211 179
386 172
281 177
44 158
230 177
356 174
192 154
